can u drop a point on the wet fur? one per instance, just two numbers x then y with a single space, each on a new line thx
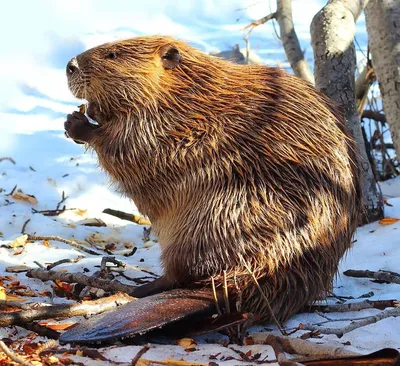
234 165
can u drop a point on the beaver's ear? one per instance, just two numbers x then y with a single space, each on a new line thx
170 57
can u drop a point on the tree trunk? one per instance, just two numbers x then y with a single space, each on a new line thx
332 34
383 26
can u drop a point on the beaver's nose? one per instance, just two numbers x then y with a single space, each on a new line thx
72 66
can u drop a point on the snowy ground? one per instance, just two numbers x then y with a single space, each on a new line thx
61 166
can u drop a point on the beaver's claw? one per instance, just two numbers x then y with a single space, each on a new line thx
78 128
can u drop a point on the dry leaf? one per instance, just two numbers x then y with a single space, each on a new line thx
2 293
19 242
186 342
57 327
18 269
388 221
46 243
25 197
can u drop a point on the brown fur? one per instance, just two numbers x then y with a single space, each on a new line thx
234 165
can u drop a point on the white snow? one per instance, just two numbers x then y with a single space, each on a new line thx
34 100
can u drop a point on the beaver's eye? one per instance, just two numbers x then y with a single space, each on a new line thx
111 55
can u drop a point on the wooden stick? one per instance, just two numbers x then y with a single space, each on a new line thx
354 325
62 240
386 276
106 285
137 219
13 356
64 310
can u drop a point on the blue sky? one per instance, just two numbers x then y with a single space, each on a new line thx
39 37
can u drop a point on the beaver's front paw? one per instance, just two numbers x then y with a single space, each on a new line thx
78 128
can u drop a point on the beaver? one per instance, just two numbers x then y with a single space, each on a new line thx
244 170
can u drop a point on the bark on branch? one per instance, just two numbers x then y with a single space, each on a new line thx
64 310
332 35
106 285
290 41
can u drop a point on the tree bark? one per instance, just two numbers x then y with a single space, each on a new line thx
332 34
383 26
290 41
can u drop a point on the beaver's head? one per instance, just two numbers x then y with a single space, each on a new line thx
124 76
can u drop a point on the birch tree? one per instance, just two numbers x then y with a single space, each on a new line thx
383 25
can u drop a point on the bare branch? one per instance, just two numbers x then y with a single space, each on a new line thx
290 41
64 310
384 276
106 285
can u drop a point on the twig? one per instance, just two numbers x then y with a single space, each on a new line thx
11 160
106 285
24 226
63 199
62 261
137 219
13 356
355 306
354 325
12 191
52 212
384 276
64 310
139 355
302 347
261 21
39 264
62 240
265 299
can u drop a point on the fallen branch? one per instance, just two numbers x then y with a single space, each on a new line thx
64 310
385 276
13 356
62 261
137 219
302 347
106 285
139 355
62 240
355 306
354 325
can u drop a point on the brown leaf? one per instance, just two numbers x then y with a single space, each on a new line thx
57 327
25 197
388 220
